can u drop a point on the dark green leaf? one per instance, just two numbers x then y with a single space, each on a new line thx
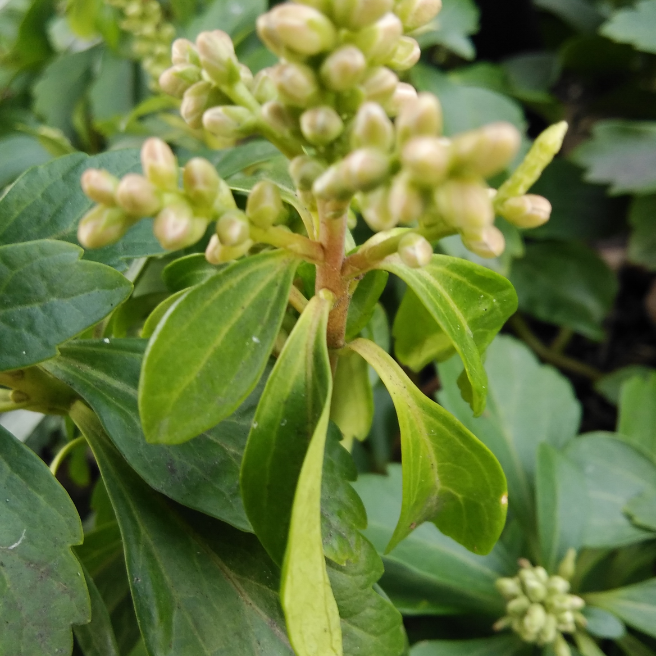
41 583
504 645
455 23
112 93
363 303
188 271
609 386
562 505
614 473
631 646
642 509
468 302
203 474
449 477
633 25
47 296
531 76
566 284
637 420
209 353
603 624
232 16
199 586
528 404
642 243
231 161
580 14
19 152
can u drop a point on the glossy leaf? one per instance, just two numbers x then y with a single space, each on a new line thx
634 604
637 420
566 284
363 302
529 403
633 25
48 296
187 272
186 570
642 509
203 474
209 353
449 477
503 645
614 473
41 582
156 316
455 23
429 573
562 505
468 302
603 624
642 243
285 420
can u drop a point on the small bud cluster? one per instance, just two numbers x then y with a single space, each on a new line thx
153 34
540 609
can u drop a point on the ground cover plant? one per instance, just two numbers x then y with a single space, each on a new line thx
254 264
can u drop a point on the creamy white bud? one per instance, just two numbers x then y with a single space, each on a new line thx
297 84
184 51
229 122
301 29
232 228
487 150
100 186
102 226
415 251
379 85
356 14
372 127
426 160
343 69
375 210
278 116
378 41
264 205
176 227
176 80
465 205
201 182
194 103
217 57
365 169
216 253
264 87
404 93
138 196
407 202
491 243
321 125
159 164
304 170
417 13
405 55
419 118
528 211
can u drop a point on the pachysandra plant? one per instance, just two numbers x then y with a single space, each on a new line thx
288 282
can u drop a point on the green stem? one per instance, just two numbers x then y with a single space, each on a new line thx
298 244
563 338
57 460
297 300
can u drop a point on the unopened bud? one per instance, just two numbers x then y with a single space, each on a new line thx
466 205
415 251
100 186
488 150
491 243
176 227
232 228
371 127
541 574
365 169
321 125
566 621
264 204
297 84
426 160
378 41
229 122
576 603
356 14
407 203
567 567
406 54
102 226
535 618
343 69
138 196
528 211
159 164
502 624
278 116
518 606
558 603
176 80
417 13
217 57
217 253
201 182
224 199
404 93
304 170
379 85
301 29
509 588
548 631
320 5
184 51
195 101
264 88
246 76
557 585
560 646
421 118
375 210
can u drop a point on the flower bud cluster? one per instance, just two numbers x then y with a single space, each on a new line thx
153 34
539 608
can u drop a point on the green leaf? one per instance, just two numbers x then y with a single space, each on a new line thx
633 25
186 570
634 604
468 302
603 624
453 26
621 154
531 76
19 152
209 353
566 284
232 16
188 271
231 161
529 403
610 386
503 645
631 646
449 476
614 473
642 242
429 573
579 14
363 302
285 421
637 418
352 406
203 474
48 296
159 312
642 510
41 584
562 505
112 93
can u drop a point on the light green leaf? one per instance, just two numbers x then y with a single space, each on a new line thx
621 154
586 645
566 284
42 591
453 26
363 302
633 25
529 403
503 645
232 16
285 421
198 586
429 573
112 93
468 302
188 271
449 477
634 604
562 505
637 419
160 311
642 509
610 385
603 624
47 296
203 474
631 646
209 353
19 152
614 473
642 242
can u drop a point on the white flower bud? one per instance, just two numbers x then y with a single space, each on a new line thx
217 253
535 618
264 88
541 574
184 51
332 184
557 585
375 210
264 205
518 606
576 603
102 226
304 170
356 14
278 116
176 227
426 160
176 80
548 631
321 125
419 118
100 186
194 103
415 251
378 41
138 196
371 127
417 13
404 93
407 203
297 84
232 228
379 85
229 122
343 69
159 164
217 57
528 211
224 200
488 150
489 244
201 182
406 54
465 205
509 588
365 169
